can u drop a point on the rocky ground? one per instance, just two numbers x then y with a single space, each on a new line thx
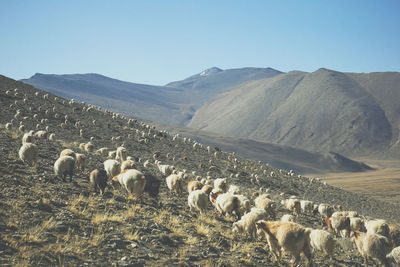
47 222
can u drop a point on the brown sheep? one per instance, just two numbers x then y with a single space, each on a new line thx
98 179
193 185
286 236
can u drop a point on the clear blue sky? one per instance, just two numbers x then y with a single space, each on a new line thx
156 42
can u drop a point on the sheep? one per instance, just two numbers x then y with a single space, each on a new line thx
68 152
226 204
112 167
244 204
128 164
102 151
41 134
357 223
346 213
306 206
234 189
372 246
322 240
64 166
221 183
263 202
80 161
98 179
197 200
175 183
292 204
52 137
287 218
377 227
165 169
121 154
152 186
207 189
394 256
133 181
247 223
325 210
337 224
193 185
89 147
28 153
28 137
286 236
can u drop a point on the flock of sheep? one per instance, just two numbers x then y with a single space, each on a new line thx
255 215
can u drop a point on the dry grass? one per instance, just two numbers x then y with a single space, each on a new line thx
49 224
192 240
34 234
99 218
202 229
132 236
206 219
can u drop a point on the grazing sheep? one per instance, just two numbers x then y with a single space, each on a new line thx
286 236
394 256
325 210
226 204
28 137
372 246
133 181
68 152
175 183
112 154
89 147
292 204
380 227
234 189
207 189
221 184
263 202
306 206
64 166
247 224
357 224
193 185
128 164
41 134
338 224
244 204
152 186
121 154
322 240
345 213
287 218
28 153
98 179
102 151
165 169
80 161
197 200
112 167
52 137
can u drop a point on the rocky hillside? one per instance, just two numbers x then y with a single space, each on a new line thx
47 222
174 103
354 114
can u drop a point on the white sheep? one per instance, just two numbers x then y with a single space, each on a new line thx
52 137
372 246
247 224
28 137
128 164
165 169
394 256
175 183
68 152
244 204
64 166
102 151
377 227
28 153
133 181
287 218
321 240
325 210
197 200
346 213
292 204
112 167
121 154
80 161
41 134
234 189
226 204
194 185
221 183
306 206
264 202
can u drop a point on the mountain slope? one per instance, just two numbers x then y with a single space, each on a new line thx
320 111
172 104
278 156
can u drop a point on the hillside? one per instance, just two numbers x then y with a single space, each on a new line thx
278 156
47 222
354 114
174 103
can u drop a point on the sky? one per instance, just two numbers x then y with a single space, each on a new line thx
156 42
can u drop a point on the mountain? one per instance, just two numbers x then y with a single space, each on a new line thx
322 111
174 103
279 156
